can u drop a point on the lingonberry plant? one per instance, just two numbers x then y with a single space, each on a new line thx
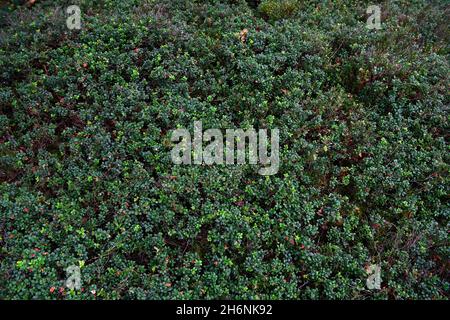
358 208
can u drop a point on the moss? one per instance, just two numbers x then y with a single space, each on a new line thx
279 9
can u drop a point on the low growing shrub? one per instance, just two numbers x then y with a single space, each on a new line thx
279 9
86 178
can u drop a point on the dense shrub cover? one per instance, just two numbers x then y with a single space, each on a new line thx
85 171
